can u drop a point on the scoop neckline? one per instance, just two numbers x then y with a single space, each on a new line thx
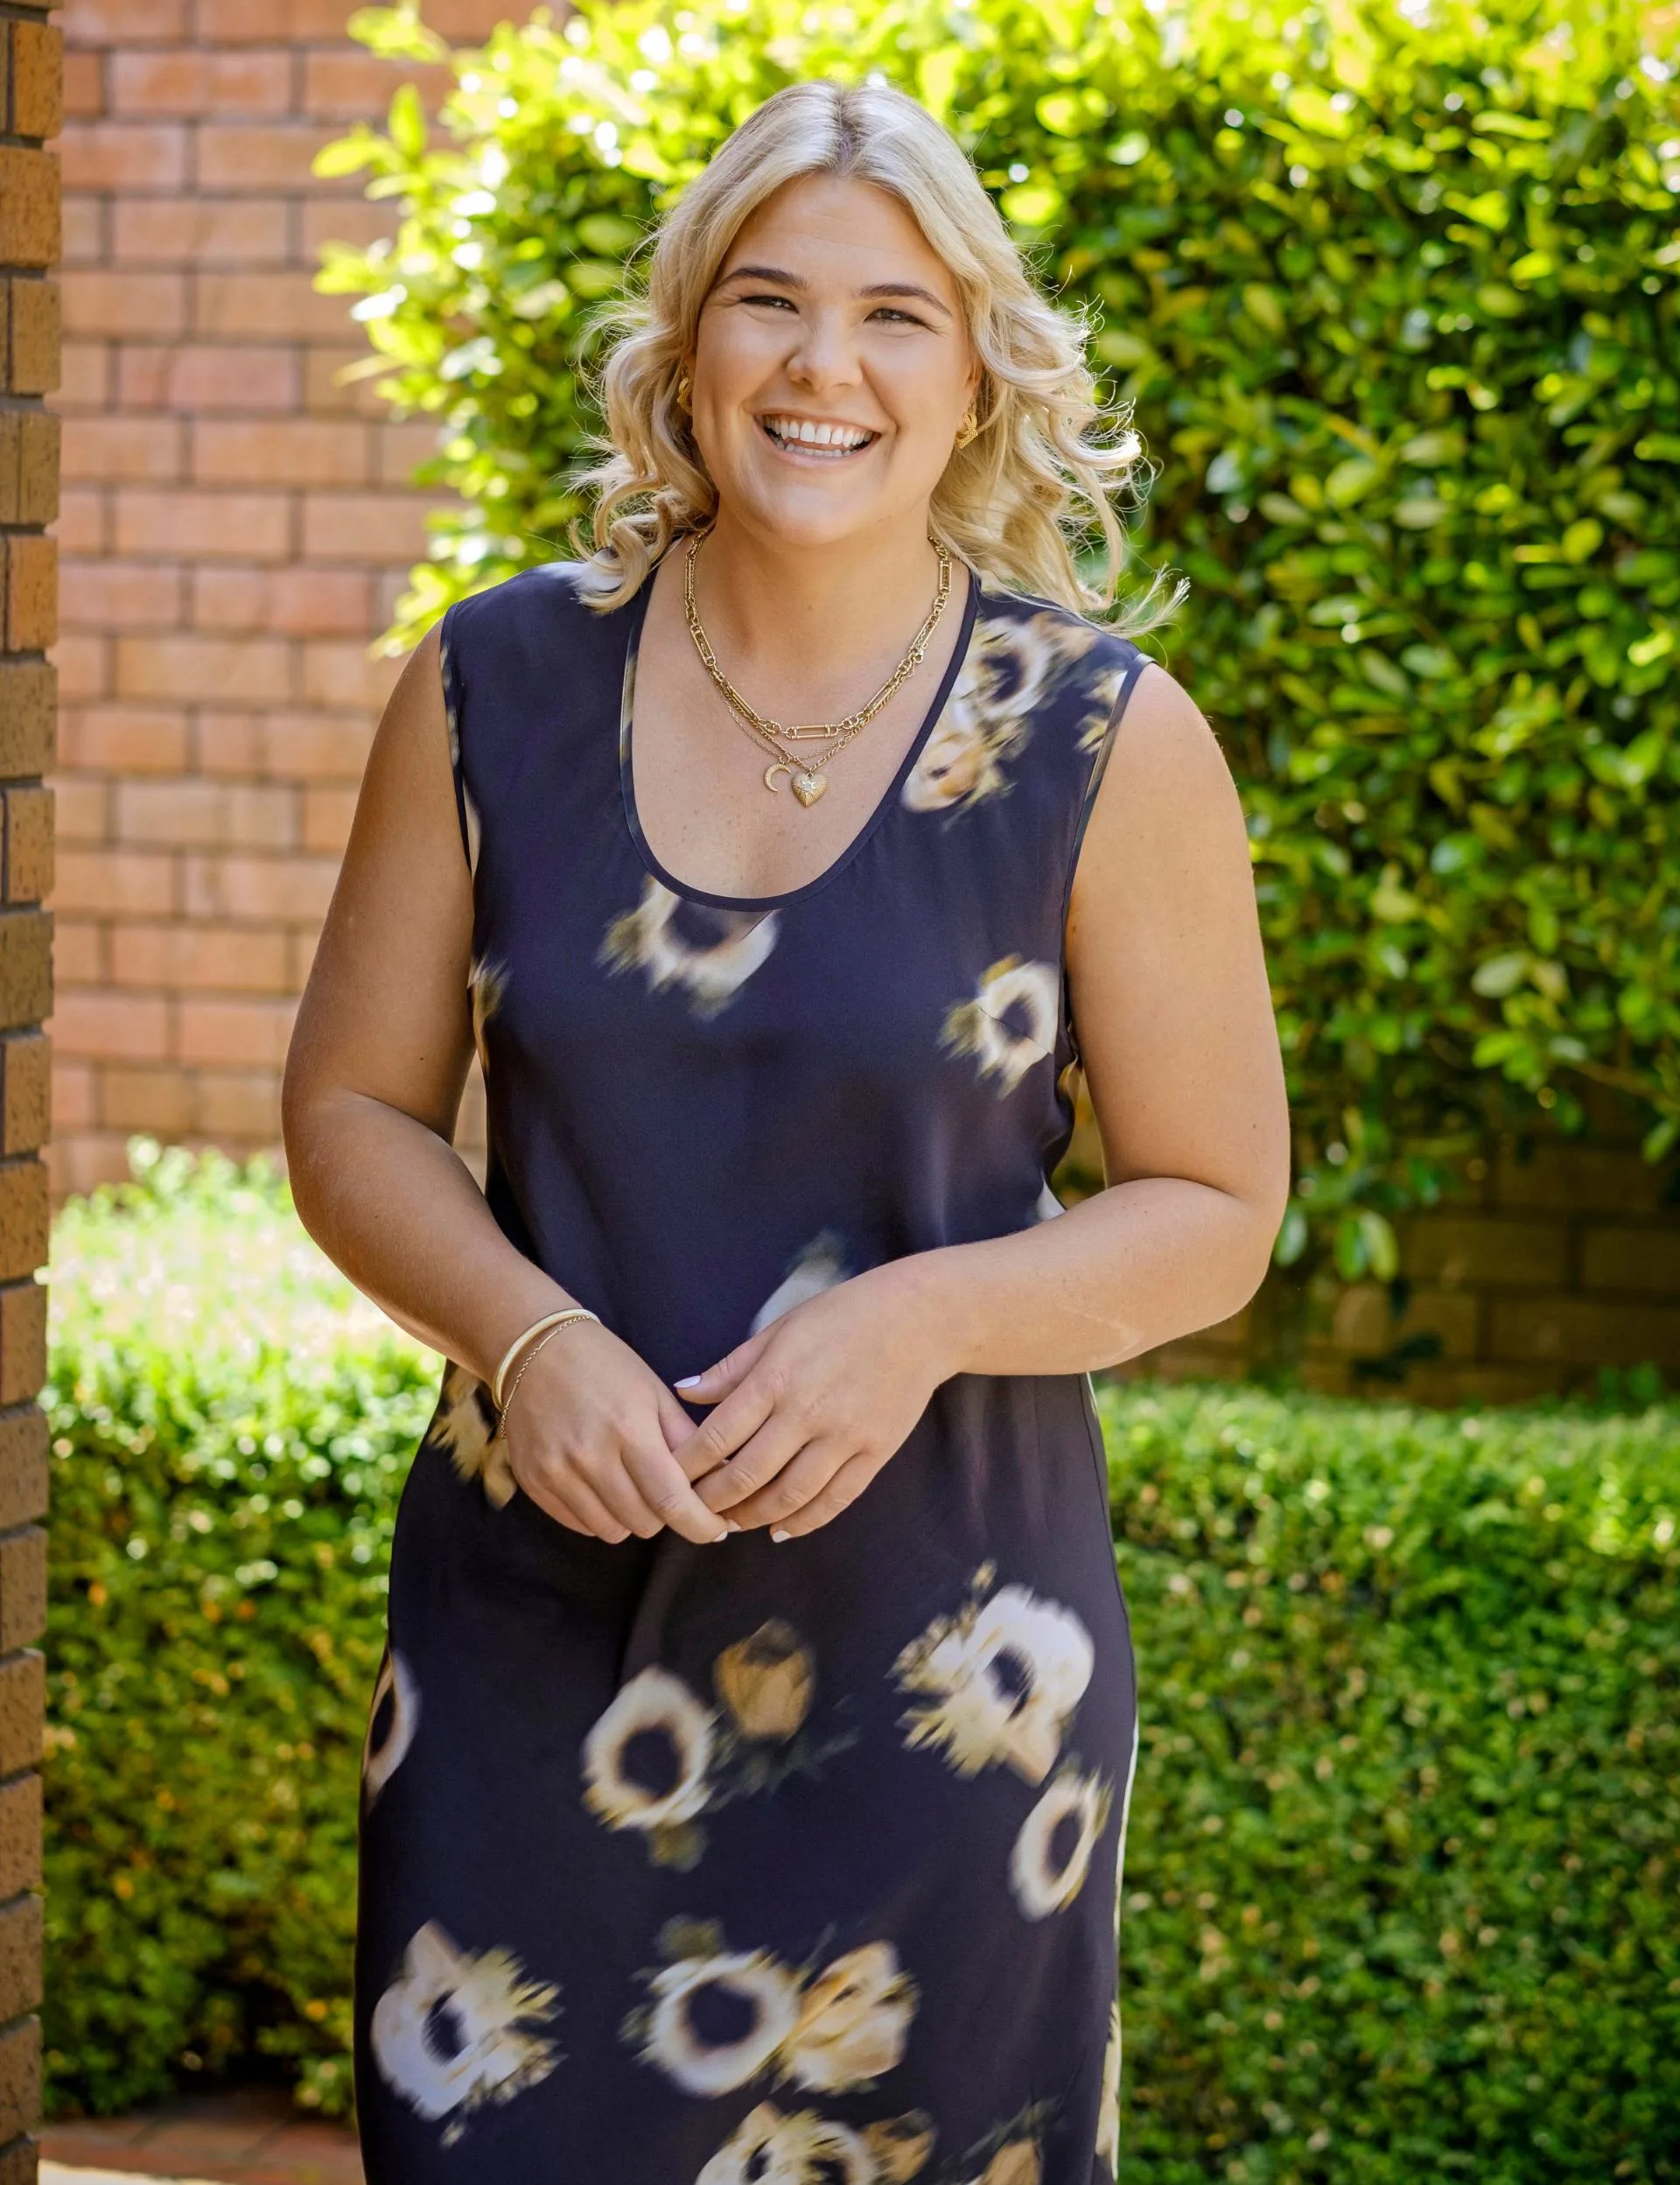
889 797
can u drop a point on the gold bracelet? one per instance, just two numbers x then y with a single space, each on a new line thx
536 1328
565 1319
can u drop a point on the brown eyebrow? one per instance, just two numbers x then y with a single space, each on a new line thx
797 280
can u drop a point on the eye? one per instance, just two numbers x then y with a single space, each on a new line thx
908 318
764 299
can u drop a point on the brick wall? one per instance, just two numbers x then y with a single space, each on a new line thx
235 527
30 84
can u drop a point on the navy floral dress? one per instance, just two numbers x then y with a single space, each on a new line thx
758 1863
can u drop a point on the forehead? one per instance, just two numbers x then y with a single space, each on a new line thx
837 230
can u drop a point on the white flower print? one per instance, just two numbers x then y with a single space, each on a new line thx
1004 1677
1046 1869
486 981
818 1267
751 1980
1048 1205
1108 2124
854 2020
454 2031
711 972
978 1026
1100 695
466 1426
381 1759
769 2148
657 1703
1013 665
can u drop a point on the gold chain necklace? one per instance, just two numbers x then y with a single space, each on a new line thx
807 776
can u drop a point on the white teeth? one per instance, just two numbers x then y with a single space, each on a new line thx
803 432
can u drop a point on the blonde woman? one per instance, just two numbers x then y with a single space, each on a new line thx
747 1778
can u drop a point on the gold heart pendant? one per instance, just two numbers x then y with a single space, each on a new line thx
808 787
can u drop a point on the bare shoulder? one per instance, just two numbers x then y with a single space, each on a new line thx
1163 743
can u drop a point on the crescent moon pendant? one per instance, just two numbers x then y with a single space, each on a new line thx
778 765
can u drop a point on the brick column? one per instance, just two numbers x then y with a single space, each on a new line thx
30 77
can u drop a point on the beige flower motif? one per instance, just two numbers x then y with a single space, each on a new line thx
454 2032
466 1426
1052 1854
647 939
900 2146
1107 2122
654 1705
486 981
753 1982
818 1267
1100 695
1017 2163
381 1759
770 2148
854 2020
1004 1677
979 1027
765 1681
1013 666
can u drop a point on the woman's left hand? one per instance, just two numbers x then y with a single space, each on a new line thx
810 1408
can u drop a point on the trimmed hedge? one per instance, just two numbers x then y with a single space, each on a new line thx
1393 290
1400 1871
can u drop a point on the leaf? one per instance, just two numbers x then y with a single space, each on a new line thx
1501 975
407 123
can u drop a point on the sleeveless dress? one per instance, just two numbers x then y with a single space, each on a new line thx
758 1863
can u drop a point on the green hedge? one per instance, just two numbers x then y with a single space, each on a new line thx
1400 1874
1394 291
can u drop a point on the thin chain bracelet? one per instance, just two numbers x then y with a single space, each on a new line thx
569 1320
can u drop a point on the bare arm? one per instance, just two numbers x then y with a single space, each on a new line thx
373 1085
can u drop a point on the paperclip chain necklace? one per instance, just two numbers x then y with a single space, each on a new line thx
805 776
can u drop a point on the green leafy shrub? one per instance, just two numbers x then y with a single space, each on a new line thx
1401 1867
1393 292
231 1424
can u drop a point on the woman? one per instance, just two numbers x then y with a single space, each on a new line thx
796 1862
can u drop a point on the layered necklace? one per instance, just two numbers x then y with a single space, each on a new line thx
806 775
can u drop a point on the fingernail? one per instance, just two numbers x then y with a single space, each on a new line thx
689 1381
729 1525
777 1533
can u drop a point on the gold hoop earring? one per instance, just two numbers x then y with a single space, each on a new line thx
683 392
969 428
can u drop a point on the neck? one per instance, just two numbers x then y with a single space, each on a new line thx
816 612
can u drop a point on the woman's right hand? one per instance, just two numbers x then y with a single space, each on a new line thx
590 1434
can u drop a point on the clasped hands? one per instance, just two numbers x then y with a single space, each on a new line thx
803 1416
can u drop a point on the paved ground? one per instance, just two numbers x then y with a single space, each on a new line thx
246 2139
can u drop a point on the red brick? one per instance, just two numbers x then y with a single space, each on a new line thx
361 528
22 1693
1486 1251
84 665
253 526
280 451
326 396
350 220
21 1558
202 815
265 889
109 303
105 595
299 602
31 592
227 670
228 959
399 448
158 1100
37 80
1630 1259
103 1026
29 205
125 156
24 1224
1584 1331
83 232
84 85
293 22
339 674
103 24
103 451
29 700
257 156
201 376
348 84
87 1161
236 1031
23 1369
316 748
242 1104
116 883
77 952
25 1120
31 439
26 970
36 313
199 231
84 520
84 813
227 747
1570 1178
29 843
327 814
192 80
73 1101
125 739
85 377
267 305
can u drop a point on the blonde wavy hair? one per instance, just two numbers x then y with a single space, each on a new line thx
1005 501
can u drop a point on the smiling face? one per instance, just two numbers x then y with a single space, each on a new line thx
832 364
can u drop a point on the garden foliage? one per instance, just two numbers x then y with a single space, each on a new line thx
1401 1865
1392 291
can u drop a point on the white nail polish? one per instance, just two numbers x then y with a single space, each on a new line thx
777 1533
689 1381
729 1525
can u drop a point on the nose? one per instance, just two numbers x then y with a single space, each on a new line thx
824 354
